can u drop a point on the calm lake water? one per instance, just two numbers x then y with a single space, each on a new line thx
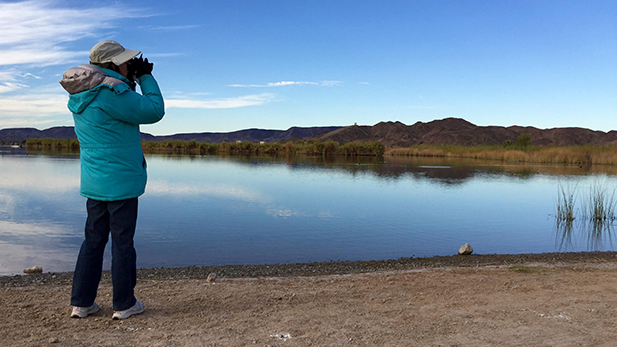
209 210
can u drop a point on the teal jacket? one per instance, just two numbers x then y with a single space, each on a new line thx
107 114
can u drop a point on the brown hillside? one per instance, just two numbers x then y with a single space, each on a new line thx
459 132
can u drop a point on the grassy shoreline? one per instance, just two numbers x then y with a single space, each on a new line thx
566 155
310 147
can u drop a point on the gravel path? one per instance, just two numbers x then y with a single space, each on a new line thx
328 268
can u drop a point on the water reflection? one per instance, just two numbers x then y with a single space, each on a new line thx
27 244
165 188
448 171
588 214
598 236
205 210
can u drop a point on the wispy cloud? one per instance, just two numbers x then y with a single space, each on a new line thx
27 74
169 28
330 83
287 83
10 86
12 75
34 105
7 75
42 108
37 32
28 122
165 55
240 101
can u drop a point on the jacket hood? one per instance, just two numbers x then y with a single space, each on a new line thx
84 82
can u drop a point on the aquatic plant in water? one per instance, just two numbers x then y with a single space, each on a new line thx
564 217
597 215
565 204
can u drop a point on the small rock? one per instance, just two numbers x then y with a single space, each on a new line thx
33 270
53 340
211 277
465 250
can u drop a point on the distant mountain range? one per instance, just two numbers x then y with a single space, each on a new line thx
459 132
449 131
18 135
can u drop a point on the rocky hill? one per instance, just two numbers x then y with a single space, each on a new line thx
252 135
459 132
18 135
449 131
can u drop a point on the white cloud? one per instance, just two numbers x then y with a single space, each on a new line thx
169 28
36 32
40 33
287 83
7 75
27 74
10 86
165 55
241 101
274 84
330 83
27 122
33 105
36 56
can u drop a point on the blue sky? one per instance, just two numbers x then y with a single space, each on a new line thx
231 65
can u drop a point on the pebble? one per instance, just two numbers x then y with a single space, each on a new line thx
53 340
465 249
33 270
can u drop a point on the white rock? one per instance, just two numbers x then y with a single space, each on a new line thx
33 270
465 249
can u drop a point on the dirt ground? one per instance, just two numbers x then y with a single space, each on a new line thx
519 305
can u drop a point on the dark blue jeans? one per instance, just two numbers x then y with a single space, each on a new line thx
104 217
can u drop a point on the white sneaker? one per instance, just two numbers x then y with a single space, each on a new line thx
136 309
83 312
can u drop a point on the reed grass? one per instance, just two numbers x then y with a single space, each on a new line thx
601 205
569 155
49 143
598 207
565 204
597 214
310 147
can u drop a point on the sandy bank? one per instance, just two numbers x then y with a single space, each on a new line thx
565 299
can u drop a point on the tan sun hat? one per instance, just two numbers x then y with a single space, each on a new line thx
111 52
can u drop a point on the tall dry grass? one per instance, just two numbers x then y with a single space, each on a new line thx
309 147
49 143
572 155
